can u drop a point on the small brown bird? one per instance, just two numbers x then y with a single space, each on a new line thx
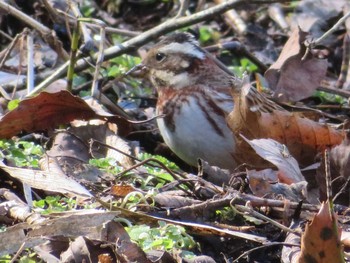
194 94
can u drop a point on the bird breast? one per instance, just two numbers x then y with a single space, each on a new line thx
194 127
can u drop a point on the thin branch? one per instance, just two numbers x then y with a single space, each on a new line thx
252 212
25 18
30 62
183 8
330 31
327 168
246 253
145 37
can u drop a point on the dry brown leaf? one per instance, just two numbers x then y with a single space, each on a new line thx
122 190
49 181
105 258
294 77
340 158
47 111
320 242
340 171
278 155
174 201
256 117
264 184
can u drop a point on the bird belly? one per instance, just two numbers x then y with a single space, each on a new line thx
193 136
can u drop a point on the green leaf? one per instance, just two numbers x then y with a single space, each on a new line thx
114 71
22 153
13 104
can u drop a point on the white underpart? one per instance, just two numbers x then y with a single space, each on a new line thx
184 48
195 138
177 81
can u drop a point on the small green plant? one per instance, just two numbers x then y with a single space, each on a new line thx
171 165
330 98
245 65
28 257
156 171
107 164
53 204
5 259
122 64
133 199
21 153
156 176
165 237
226 214
13 104
79 80
208 35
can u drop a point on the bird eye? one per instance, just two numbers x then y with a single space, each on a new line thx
160 56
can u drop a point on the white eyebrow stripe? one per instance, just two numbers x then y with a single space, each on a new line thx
185 48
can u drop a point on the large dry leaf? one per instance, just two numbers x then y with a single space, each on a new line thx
46 111
321 240
70 224
256 117
278 155
316 16
49 181
294 77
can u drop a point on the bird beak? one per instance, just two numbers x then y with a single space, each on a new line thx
137 70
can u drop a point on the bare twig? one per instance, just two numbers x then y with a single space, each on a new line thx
342 190
6 52
100 54
46 33
2 33
18 253
176 176
234 20
276 13
25 18
246 253
167 26
30 63
124 32
140 162
327 167
183 7
330 31
345 62
252 212
327 87
88 41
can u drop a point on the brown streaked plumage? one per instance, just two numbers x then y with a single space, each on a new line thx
194 94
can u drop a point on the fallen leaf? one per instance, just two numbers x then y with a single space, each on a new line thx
256 117
313 16
278 154
339 158
49 181
46 111
122 190
294 77
320 242
264 184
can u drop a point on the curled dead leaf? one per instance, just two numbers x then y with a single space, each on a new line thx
256 117
295 76
48 110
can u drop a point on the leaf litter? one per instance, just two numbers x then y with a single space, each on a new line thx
98 165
